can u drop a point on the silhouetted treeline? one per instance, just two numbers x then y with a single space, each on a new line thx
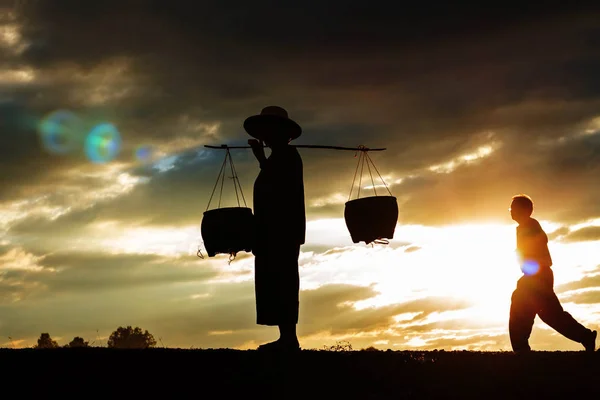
121 338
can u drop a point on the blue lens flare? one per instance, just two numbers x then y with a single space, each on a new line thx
530 267
60 132
143 154
103 143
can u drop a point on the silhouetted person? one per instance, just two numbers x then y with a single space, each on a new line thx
534 294
280 224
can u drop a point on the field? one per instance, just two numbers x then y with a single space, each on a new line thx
311 374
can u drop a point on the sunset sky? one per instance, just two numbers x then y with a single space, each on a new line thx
474 104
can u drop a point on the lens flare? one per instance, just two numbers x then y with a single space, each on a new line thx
530 267
102 143
60 131
144 154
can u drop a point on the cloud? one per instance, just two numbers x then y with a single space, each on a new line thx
122 193
88 272
330 309
25 275
483 191
327 310
588 281
472 105
22 274
583 297
196 310
483 342
384 100
410 249
559 233
583 234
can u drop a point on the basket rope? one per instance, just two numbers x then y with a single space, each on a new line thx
234 177
362 159
236 185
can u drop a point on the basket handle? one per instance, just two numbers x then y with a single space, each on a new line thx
362 158
236 182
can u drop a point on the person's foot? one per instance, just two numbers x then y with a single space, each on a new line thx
522 352
280 346
590 344
268 346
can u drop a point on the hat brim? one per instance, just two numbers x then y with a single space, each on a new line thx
262 126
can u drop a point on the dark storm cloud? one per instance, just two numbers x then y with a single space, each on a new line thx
413 80
297 25
23 160
215 48
570 170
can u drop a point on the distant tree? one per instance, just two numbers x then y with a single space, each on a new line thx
371 348
78 342
342 345
46 342
131 338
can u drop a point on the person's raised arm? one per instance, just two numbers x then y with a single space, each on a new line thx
259 151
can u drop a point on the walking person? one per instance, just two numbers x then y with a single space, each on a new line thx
280 221
534 294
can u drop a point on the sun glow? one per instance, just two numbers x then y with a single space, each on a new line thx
472 262
449 284
476 264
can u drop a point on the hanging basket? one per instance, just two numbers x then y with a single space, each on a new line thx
371 219
228 230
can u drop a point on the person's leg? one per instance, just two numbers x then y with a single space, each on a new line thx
287 334
284 302
289 295
553 314
265 293
522 316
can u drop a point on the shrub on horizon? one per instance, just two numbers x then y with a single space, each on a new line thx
46 342
131 338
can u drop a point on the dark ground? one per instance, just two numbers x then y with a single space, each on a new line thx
218 374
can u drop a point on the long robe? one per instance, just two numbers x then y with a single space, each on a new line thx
280 223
